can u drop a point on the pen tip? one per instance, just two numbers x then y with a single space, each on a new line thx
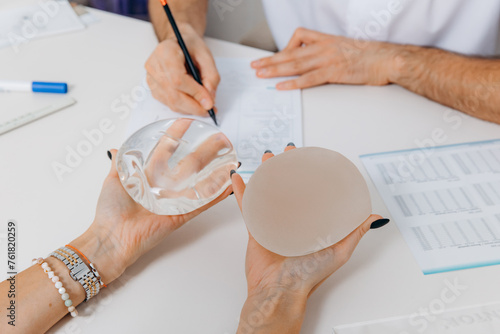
212 116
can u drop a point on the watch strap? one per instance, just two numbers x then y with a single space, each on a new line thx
78 271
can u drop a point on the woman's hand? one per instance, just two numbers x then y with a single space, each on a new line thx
319 58
171 84
278 286
123 230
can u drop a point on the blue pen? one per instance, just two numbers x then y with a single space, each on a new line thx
35 86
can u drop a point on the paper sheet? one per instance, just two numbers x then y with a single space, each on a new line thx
252 113
445 201
480 319
49 17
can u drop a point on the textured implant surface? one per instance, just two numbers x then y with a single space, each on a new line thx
304 200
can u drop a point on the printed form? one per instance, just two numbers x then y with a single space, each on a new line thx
251 113
445 201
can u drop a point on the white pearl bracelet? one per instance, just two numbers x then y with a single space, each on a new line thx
58 285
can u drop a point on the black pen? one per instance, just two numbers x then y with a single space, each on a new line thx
192 69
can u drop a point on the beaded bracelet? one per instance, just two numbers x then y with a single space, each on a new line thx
58 285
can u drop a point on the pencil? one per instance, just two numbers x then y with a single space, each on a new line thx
192 69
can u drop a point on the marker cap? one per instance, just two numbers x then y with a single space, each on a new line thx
49 87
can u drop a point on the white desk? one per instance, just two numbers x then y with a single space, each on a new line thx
194 281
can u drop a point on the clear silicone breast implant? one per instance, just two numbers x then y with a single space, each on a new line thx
176 166
305 200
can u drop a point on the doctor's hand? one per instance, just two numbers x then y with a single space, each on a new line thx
319 58
278 286
170 81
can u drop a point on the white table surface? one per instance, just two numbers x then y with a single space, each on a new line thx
194 281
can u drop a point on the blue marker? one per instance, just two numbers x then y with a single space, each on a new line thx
35 86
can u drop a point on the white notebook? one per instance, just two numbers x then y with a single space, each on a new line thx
19 26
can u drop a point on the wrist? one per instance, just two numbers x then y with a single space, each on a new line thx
274 310
186 29
400 61
73 288
102 252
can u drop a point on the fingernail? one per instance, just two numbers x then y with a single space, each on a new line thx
205 103
232 193
212 92
231 173
110 156
268 151
283 85
290 144
379 223
255 63
239 165
262 72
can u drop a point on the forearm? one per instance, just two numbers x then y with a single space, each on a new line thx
272 312
471 85
192 12
38 302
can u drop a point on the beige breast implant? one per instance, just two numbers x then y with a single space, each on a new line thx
305 200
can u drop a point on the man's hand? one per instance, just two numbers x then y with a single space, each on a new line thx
171 83
320 58
468 84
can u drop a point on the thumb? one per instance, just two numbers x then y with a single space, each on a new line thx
238 188
112 155
338 254
345 247
208 70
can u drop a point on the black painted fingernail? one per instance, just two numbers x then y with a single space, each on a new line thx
110 156
379 223
232 172
232 193
290 144
268 151
239 164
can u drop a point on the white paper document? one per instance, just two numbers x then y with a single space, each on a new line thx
49 17
445 201
251 112
480 319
